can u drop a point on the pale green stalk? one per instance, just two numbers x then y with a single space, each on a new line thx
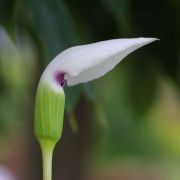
47 149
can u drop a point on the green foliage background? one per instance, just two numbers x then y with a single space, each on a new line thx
123 102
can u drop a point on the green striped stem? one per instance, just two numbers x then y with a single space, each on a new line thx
49 113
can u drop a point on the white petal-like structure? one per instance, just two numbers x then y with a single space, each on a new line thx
88 62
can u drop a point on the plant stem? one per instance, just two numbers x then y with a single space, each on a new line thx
47 154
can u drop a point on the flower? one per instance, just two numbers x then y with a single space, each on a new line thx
75 65
84 63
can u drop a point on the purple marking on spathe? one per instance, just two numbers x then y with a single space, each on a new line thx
59 76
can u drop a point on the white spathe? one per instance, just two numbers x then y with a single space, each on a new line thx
88 62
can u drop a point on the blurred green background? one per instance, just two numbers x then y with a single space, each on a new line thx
124 126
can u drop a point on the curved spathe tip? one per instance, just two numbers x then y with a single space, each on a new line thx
84 63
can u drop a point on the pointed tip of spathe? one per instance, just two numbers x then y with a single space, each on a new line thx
142 41
151 39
